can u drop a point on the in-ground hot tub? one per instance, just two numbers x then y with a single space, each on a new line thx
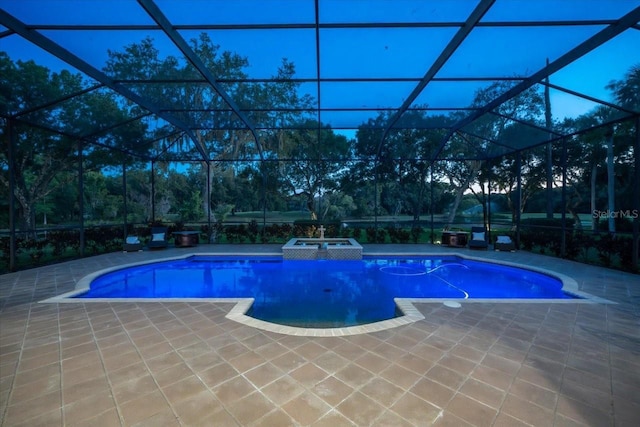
321 248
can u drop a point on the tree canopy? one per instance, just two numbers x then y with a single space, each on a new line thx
411 169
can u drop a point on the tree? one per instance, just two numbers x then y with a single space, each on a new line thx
225 137
337 206
627 91
138 195
506 127
99 204
314 162
39 155
46 160
603 153
400 164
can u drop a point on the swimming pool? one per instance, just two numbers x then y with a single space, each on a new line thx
325 293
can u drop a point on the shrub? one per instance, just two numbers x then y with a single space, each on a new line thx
284 232
309 228
606 247
580 245
416 232
398 235
543 232
252 231
34 247
277 233
235 233
376 237
63 240
357 233
624 248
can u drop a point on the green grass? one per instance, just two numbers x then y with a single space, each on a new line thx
271 216
286 217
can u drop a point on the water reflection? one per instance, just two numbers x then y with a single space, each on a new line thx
324 293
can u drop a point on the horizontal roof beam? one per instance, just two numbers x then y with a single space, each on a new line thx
324 80
325 25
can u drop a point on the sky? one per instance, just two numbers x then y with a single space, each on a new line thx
361 53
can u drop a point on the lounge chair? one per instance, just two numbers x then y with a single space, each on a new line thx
132 244
478 238
158 238
504 243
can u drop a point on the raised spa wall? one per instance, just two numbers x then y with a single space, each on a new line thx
322 248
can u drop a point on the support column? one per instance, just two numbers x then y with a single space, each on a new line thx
124 197
563 221
489 201
549 149
431 203
210 231
81 196
518 201
549 174
11 131
375 199
636 197
264 200
153 192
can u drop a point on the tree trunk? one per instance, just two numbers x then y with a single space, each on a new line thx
576 219
549 174
28 218
312 210
475 167
456 203
611 195
421 192
485 206
206 190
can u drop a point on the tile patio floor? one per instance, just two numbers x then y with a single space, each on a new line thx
183 364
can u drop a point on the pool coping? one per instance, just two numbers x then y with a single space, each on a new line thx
410 313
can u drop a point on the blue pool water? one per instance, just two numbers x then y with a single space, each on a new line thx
324 293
